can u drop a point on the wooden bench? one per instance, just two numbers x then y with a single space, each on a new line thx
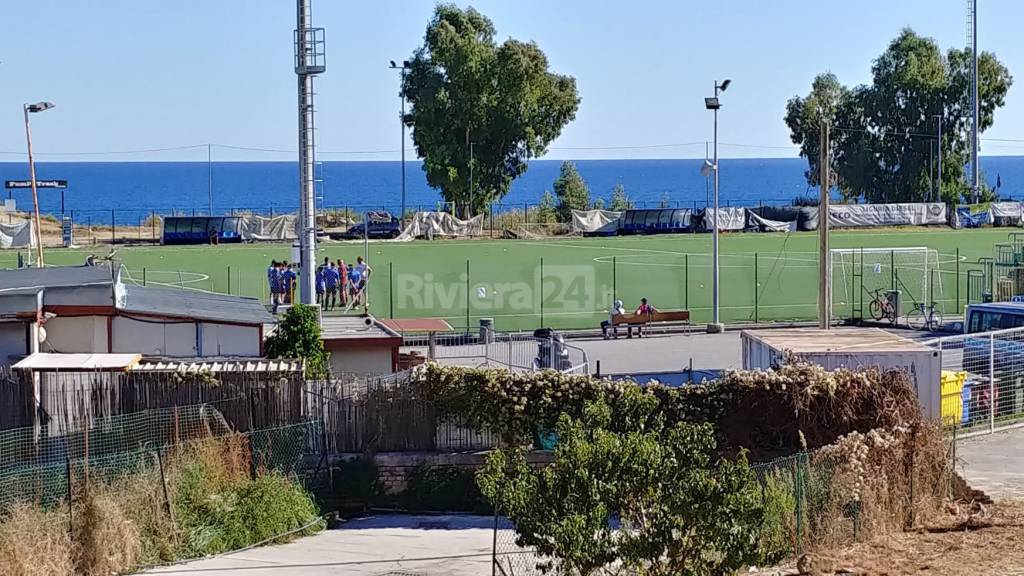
655 318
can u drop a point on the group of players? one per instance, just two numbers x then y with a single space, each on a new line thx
336 283
341 284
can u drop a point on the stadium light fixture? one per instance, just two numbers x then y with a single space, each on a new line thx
33 109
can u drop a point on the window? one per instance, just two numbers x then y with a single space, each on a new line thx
985 321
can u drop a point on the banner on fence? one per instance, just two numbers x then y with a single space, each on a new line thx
254 227
728 218
973 215
908 214
17 235
586 221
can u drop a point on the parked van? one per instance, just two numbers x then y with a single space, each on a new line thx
994 364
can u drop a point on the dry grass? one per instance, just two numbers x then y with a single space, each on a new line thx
108 542
35 542
966 541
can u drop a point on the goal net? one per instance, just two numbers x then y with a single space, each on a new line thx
857 273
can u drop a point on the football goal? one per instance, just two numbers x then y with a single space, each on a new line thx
863 275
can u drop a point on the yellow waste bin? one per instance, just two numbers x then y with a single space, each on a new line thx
952 400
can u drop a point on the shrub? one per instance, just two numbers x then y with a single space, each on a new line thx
680 511
108 542
298 336
357 481
778 533
442 489
272 505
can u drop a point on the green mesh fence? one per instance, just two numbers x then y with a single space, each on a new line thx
50 470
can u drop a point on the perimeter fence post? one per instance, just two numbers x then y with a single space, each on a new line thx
957 309
991 384
229 280
113 238
391 290
686 280
615 287
143 276
892 269
152 223
71 500
540 291
756 317
468 327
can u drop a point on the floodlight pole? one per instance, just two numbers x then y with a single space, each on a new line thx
309 61
707 179
403 68
209 175
32 176
975 170
716 325
824 255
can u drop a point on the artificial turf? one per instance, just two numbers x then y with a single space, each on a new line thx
567 283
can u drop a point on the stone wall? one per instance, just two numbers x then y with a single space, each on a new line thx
393 468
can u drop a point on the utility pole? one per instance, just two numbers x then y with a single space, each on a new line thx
707 180
824 256
938 118
209 175
472 192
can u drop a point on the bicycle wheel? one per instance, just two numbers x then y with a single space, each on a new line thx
916 319
875 309
935 321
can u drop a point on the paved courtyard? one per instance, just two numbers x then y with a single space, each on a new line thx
374 546
994 463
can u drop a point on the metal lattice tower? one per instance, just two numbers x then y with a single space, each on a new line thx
972 47
309 61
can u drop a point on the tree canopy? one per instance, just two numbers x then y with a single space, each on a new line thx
884 134
571 191
464 88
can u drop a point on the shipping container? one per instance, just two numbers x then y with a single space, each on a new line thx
850 348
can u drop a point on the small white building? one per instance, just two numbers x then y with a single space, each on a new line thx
360 345
849 348
87 309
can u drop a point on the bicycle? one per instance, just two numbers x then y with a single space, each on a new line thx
924 317
881 308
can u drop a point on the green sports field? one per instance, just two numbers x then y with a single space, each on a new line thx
570 283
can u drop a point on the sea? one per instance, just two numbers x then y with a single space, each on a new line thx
129 192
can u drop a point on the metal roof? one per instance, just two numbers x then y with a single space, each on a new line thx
1017 307
54 277
195 304
354 328
78 362
219 365
811 340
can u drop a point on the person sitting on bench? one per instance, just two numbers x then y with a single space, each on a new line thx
644 309
617 309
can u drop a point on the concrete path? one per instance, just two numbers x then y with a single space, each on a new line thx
994 463
374 546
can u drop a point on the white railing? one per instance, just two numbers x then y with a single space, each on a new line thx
521 352
982 385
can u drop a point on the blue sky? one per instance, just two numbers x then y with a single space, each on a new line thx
141 74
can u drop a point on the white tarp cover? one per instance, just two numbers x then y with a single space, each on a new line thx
441 224
17 235
254 227
908 214
728 218
762 224
593 220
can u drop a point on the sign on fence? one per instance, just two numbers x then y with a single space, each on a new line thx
60 184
